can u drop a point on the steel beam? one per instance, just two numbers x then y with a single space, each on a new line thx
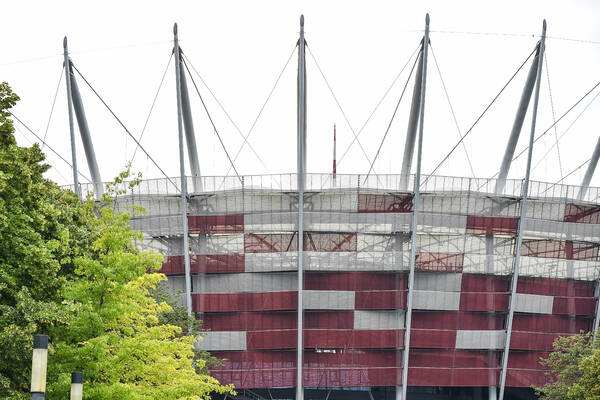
411 131
86 138
589 172
190 136
301 161
184 218
518 124
415 220
515 276
67 66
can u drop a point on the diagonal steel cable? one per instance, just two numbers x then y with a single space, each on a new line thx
124 127
245 137
480 116
379 103
339 105
392 119
553 113
211 120
460 135
558 138
47 145
151 108
62 70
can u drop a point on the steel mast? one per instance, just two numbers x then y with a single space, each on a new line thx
183 185
401 395
301 161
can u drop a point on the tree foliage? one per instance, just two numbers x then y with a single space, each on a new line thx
72 271
575 369
42 230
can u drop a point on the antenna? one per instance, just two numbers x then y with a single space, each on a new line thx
334 156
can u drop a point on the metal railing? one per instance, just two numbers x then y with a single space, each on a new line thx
383 183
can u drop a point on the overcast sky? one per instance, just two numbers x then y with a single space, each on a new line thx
240 47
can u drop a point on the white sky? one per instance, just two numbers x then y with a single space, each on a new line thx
239 48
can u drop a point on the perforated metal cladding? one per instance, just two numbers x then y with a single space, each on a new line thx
243 247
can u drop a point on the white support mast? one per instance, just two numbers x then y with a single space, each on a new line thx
301 161
184 217
515 276
401 394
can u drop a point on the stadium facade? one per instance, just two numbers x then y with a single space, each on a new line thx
330 286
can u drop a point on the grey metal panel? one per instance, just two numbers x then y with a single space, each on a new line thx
434 300
378 319
328 300
533 303
267 262
438 281
480 339
217 341
561 230
245 282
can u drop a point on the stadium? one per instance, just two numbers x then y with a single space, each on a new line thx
375 286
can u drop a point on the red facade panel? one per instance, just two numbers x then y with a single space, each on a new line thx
526 359
564 249
248 379
550 323
312 241
556 287
574 306
457 320
432 339
204 263
452 377
484 283
439 262
380 300
342 358
505 226
325 339
204 224
276 339
532 341
582 213
354 339
354 281
268 320
227 302
453 358
248 360
376 203
484 301
352 377
525 377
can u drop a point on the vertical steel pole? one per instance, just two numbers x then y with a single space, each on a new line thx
301 161
515 277
597 317
71 127
589 172
184 219
415 219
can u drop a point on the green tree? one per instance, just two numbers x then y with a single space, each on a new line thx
574 369
79 278
42 230
116 336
